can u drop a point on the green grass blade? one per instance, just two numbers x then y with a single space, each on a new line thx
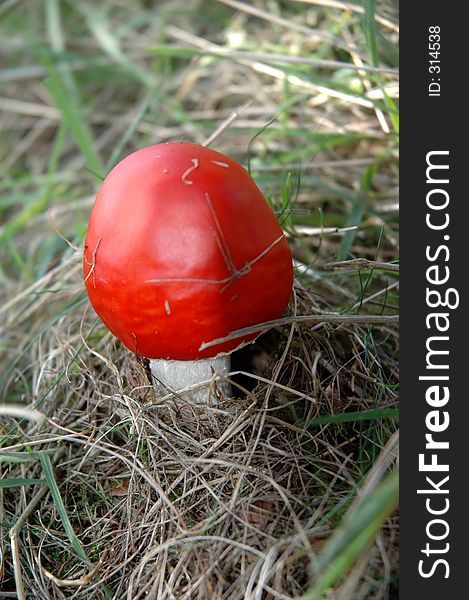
54 489
357 531
10 456
100 27
117 152
54 25
65 92
351 417
357 212
73 118
17 482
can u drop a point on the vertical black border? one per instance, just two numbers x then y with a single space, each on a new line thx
430 123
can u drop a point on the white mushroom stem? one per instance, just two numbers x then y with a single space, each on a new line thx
191 379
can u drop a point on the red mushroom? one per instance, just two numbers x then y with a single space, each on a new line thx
182 249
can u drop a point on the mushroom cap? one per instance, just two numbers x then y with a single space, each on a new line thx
182 249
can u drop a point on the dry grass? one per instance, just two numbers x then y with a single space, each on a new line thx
246 497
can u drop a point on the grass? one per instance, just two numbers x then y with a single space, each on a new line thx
289 489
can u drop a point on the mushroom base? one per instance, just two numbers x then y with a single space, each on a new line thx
192 379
